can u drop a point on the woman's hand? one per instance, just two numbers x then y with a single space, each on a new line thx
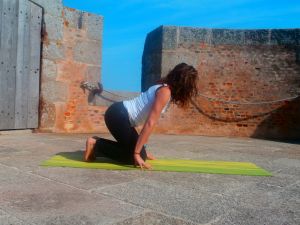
138 161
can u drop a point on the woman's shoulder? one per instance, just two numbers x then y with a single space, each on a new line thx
159 85
164 89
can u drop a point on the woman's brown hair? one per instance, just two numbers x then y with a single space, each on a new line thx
182 80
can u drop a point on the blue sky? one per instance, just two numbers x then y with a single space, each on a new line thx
127 22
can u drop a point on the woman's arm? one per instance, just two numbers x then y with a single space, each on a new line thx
162 97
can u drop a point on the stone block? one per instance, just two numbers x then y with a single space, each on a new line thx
151 70
94 26
169 38
49 70
171 59
227 37
53 50
93 74
188 34
92 23
298 54
48 115
285 36
73 18
53 27
88 52
54 91
257 37
153 41
53 7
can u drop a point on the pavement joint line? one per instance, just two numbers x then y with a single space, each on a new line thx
93 190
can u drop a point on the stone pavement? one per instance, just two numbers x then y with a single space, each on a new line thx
30 194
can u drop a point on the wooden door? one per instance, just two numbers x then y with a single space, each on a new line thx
20 54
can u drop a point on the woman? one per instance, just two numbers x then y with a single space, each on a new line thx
121 118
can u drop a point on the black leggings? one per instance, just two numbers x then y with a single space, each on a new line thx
117 122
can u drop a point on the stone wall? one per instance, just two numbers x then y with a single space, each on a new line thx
245 66
71 53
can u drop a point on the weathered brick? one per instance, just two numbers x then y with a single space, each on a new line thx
233 65
71 54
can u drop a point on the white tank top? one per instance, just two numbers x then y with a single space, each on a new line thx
139 107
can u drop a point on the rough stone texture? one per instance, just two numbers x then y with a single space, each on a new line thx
94 26
87 52
92 73
53 50
71 53
53 7
234 65
56 91
53 27
31 194
73 18
49 69
152 62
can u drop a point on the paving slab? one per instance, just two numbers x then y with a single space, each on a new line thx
38 200
196 206
31 194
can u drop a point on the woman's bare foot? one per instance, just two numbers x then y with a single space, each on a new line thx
150 156
89 154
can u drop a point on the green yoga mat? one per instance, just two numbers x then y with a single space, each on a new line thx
74 160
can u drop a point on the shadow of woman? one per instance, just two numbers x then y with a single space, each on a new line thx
282 124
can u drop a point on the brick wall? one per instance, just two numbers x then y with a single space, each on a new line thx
71 53
234 65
